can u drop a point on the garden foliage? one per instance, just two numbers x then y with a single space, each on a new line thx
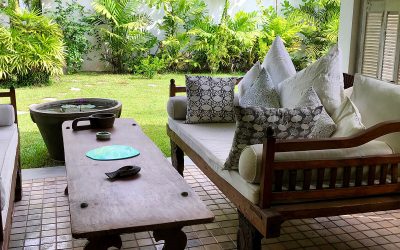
121 33
72 19
193 41
31 48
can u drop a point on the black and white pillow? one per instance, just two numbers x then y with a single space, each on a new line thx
252 124
210 99
261 93
324 126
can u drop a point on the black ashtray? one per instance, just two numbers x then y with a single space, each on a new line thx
123 172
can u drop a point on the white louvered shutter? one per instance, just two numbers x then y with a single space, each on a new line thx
372 38
390 47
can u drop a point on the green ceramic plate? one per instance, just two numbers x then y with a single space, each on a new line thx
113 152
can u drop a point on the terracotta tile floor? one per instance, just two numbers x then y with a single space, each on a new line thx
41 221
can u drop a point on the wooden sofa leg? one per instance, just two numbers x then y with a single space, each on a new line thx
177 158
248 237
18 185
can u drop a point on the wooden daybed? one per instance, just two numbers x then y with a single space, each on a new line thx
10 172
352 193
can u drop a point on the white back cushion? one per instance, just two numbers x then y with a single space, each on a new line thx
7 116
324 75
348 119
377 101
278 62
249 78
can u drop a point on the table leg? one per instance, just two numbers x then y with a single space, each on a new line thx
174 239
103 243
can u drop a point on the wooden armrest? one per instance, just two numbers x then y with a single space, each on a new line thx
361 138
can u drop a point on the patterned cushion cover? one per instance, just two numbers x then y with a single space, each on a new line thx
252 124
210 99
324 126
261 93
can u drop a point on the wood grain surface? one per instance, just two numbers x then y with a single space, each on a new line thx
150 201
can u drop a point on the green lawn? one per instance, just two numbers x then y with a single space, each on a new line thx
142 99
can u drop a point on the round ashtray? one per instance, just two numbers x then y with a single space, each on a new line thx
103 135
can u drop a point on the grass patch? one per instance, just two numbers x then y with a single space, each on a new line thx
142 99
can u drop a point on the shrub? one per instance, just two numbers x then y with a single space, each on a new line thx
73 21
320 28
150 66
33 48
122 33
179 17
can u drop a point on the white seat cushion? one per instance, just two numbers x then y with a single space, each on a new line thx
324 76
213 142
8 150
377 101
251 157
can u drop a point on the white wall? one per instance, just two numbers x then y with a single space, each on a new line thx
350 11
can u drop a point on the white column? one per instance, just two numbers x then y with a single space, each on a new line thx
350 11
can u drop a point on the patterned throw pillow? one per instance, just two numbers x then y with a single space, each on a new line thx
324 126
210 99
261 93
252 124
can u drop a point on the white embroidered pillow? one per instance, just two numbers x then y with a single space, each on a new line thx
324 76
348 119
278 63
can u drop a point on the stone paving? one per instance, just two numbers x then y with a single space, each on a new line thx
42 221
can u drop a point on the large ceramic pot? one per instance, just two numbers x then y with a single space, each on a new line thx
50 116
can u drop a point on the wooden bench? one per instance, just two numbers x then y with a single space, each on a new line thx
297 198
16 185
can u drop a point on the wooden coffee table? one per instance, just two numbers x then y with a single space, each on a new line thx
158 199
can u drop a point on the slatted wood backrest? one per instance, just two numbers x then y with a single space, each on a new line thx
13 101
339 178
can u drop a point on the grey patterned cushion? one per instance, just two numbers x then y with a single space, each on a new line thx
324 126
252 124
261 93
210 99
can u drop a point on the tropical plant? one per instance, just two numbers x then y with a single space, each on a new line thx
243 32
6 53
288 27
34 47
179 17
150 66
122 33
72 18
228 45
320 29
34 5
210 44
